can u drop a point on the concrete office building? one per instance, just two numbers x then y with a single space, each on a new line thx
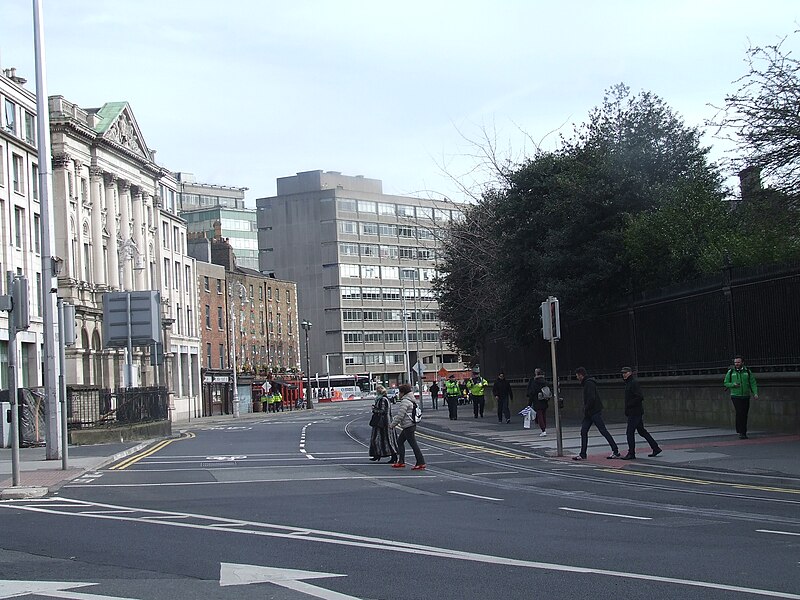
363 262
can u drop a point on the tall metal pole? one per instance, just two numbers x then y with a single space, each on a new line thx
405 332
559 444
306 325
49 285
62 386
236 413
416 329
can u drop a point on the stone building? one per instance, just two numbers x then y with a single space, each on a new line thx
121 231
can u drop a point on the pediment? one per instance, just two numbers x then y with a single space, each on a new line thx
118 125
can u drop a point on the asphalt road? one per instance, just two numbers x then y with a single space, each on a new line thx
288 506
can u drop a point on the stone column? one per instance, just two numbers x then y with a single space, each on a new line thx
83 271
61 205
96 201
113 231
125 232
138 238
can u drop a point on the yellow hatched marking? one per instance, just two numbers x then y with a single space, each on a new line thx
740 486
471 446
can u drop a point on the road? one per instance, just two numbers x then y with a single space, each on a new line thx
288 506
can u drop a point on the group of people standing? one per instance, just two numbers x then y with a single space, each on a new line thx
387 417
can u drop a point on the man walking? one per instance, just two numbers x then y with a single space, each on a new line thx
452 393
434 390
502 396
475 387
592 415
635 413
741 382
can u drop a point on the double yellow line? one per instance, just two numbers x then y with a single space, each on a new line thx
133 459
485 449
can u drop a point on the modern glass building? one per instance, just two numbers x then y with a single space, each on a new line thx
237 225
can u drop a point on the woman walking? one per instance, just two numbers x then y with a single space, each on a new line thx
383 440
404 417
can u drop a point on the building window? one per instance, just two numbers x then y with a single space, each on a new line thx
208 355
405 232
371 293
353 337
206 284
19 227
391 272
391 293
277 294
387 230
349 227
351 293
346 205
407 252
349 271
369 229
392 336
177 280
386 210
220 320
395 359
17 173
219 286
370 272
373 337
392 315
351 315
35 181
424 233
10 117
165 234
405 211
222 356
208 316
87 263
424 254
353 359
166 273
424 213
366 206
373 315
369 250
388 252
288 296
37 234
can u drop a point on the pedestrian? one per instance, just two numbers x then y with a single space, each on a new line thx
475 387
634 411
503 396
742 383
383 439
434 390
404 418
539 393
452 395
592 415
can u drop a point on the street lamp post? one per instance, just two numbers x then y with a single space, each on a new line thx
306 325
243 297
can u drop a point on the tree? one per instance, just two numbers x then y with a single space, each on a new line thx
555 225
762 118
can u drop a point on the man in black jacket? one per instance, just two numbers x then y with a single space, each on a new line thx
592 415
635 413
501 390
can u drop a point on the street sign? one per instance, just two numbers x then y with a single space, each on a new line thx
419 369
143 314
442 372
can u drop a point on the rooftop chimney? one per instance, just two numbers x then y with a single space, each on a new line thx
12 75
750 182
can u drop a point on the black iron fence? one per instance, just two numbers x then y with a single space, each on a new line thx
90 407
694 328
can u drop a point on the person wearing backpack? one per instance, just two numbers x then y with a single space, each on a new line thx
741 383
406 416
539 393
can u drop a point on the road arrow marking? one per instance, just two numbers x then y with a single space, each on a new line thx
10 588
235 574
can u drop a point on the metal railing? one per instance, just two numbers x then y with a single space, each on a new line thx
90 407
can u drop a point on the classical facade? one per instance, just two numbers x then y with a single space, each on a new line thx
121 231
20 225
364 263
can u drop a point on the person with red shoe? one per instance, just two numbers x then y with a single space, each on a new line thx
404 417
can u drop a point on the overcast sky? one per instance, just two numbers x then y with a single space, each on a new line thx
241 92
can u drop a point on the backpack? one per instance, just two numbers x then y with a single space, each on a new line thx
545 393
416 412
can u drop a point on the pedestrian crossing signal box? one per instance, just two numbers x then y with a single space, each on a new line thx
551 319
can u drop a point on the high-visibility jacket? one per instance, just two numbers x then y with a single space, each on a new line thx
451 388
476 389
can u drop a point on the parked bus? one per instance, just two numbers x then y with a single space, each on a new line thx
333 388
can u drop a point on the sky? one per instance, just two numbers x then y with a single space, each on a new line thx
242 92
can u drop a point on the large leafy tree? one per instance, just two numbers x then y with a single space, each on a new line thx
557 224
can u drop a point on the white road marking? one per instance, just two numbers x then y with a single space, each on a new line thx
605 514
233 574
498 473
344 539
475 496
274 480
778 532
10 588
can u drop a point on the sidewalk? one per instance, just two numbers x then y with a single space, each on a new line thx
702 452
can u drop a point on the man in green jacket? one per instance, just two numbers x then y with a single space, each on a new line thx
741 383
